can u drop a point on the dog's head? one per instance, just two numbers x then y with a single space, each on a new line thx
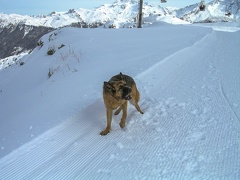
119 89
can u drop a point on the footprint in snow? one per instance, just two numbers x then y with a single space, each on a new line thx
120 145
196 136
192 166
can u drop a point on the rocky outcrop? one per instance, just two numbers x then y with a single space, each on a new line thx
18 38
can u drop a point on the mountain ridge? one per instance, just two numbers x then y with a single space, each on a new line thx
125 11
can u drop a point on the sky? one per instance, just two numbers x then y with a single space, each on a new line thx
36 7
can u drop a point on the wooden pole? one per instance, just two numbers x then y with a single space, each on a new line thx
140 14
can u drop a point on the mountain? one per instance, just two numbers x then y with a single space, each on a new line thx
215 11
20 33
23 28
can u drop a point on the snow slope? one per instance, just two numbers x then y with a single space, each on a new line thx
188 77
6 62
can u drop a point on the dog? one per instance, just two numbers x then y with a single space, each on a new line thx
116 93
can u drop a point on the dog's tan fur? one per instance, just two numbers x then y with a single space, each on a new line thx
112 96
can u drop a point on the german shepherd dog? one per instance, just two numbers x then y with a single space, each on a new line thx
116 93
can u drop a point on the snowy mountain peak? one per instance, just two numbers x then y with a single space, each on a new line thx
119 13
127 1
122 12
215 11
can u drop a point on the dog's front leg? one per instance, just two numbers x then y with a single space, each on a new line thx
124 116
109 121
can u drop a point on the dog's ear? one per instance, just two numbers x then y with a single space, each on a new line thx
109 86
121 75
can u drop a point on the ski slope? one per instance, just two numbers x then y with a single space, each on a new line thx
188 77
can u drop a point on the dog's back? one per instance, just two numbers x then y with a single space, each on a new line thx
129 80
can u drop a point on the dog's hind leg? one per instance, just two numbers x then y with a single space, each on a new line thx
135 100
137 107
118 110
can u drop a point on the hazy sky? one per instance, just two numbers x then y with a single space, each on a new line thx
35 7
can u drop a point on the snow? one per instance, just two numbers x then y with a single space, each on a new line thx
6 62
188 77
226 27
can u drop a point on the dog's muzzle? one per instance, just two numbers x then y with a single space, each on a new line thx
126 93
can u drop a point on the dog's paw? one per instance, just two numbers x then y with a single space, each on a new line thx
116 113
122 125
105 132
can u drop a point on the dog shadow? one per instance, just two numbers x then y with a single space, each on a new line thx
94 114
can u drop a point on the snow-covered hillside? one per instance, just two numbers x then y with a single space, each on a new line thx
6 62
52 109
